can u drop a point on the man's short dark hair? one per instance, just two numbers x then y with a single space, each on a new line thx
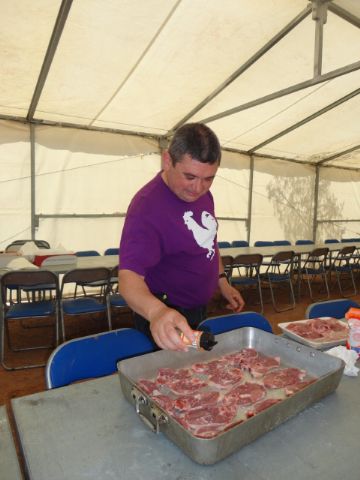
196 140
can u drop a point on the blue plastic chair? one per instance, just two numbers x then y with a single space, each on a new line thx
280 243
111 251
331 240
304 242
224 244
226 323
239 243
350 240
94 356
114 299
331 308
263 243
87 253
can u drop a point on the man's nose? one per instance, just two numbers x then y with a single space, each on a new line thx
198 185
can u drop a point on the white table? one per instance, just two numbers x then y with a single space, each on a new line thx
107 261
9 465
89 431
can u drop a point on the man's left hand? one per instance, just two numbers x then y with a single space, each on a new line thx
232 295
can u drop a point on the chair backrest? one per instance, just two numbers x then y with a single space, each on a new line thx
224 244
87 253
111 251
280 243
94 356
27 278
304 242
85 276
239 243
331 240
226 323
330 308
263 243
248 260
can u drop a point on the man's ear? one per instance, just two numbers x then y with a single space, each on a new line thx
166 160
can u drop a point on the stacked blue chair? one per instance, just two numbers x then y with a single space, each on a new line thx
280 243
239 243
331 240
87 253
111 251
224 244
226 323
94 356
263 243
304 242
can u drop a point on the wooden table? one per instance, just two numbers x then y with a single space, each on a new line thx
88 430
9 464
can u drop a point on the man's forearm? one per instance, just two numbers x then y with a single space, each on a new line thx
137 295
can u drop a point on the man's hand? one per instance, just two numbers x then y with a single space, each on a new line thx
165 325
232 295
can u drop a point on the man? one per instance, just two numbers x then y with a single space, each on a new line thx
170 265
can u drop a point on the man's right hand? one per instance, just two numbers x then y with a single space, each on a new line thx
165 326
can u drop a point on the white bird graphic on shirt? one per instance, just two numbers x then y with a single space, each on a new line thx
203 235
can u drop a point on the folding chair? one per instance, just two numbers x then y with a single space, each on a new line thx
245 273
331 308
279 273
28 307
263 243
279 243
314 269
227 261
94 356
343 267
95 278
226 323
304 242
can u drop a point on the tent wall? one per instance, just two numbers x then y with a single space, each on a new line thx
84 180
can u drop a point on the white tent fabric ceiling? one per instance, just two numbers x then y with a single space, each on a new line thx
276 79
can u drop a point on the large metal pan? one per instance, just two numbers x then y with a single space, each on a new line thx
325 368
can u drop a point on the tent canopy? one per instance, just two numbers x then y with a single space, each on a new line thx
91 92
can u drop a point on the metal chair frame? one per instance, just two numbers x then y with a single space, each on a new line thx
313 269
25 308
343 266
280 271
247 267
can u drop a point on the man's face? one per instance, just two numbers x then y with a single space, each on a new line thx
189 179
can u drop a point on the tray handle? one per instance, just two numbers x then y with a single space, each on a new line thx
157 416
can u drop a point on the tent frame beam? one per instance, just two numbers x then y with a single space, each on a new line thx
271 43
352 67
49 56
306 120
344 14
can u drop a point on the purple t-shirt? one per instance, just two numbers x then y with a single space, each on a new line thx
172 244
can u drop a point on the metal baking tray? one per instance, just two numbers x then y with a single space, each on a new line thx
319 344
325 368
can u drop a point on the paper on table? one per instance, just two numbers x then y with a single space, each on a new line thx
349 356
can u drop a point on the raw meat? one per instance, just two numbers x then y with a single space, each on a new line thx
245 394
283 377
325 329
